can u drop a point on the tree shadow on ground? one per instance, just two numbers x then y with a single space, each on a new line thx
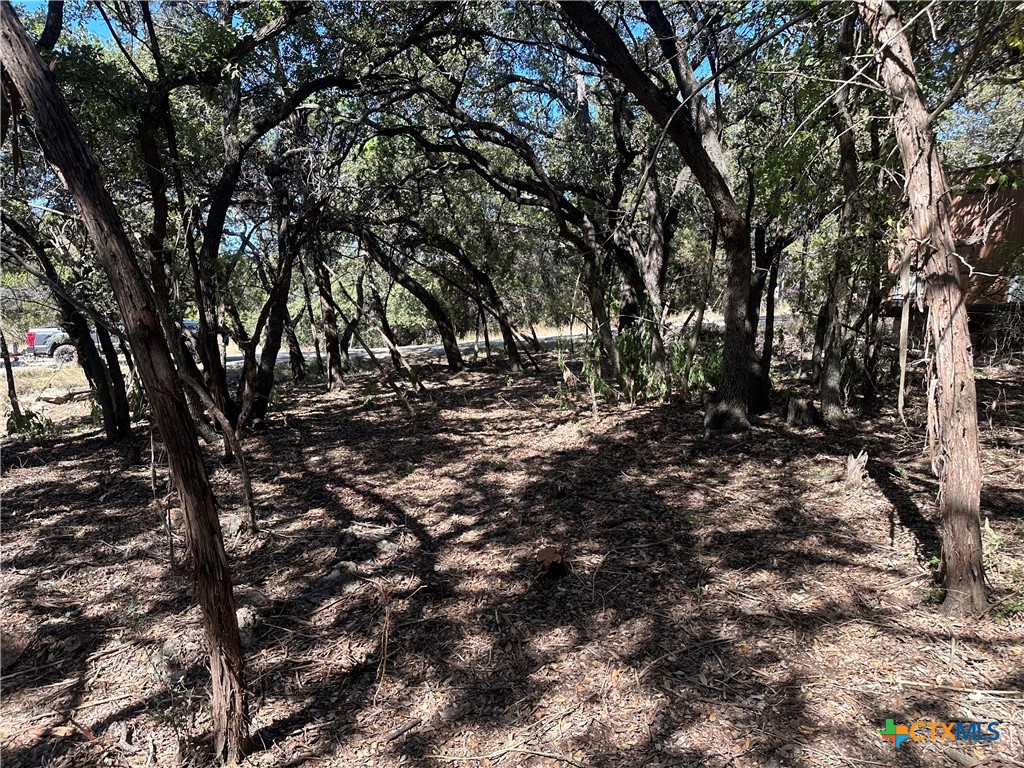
403 615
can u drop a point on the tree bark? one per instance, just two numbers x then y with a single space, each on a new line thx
956 457
831 381
65 148
12 391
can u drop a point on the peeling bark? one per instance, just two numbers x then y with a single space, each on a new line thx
953 428
65 148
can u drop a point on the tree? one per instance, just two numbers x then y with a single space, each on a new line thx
65 148
953 425
690 128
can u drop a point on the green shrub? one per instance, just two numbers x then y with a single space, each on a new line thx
31 424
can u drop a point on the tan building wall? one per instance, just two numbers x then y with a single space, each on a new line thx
989 229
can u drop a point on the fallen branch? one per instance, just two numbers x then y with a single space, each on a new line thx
72 396
398 732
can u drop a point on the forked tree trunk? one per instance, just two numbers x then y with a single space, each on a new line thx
64 147
258 378
954 427
296 360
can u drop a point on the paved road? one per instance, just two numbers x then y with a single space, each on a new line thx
417 351
426 352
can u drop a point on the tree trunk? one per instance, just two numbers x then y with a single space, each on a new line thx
64 147
953 428
445 328
12 392
118 389
486 332
258 379
308 299
768 344
758 394
690 128
602 323
831 381
390 340
332 342
296 360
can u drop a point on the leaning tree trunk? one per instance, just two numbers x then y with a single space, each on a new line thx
118 388
308 306
332 340
953 427
386 331
437 312
694 134
12 391
65 148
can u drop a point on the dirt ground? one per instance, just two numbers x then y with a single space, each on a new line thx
724 602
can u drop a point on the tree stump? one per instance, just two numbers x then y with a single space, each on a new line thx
802 413
856 471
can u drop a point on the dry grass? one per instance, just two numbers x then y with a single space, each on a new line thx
44 380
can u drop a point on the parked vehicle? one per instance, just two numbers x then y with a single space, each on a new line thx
55 343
